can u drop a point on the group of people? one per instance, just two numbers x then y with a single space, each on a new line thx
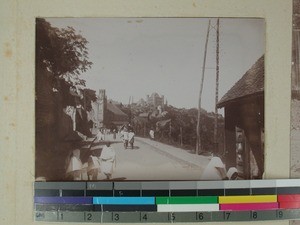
100 136
97 163
127 135
215 170
105 163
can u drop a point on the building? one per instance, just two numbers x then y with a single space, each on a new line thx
244 122
115 117
106 113
141 102
155 100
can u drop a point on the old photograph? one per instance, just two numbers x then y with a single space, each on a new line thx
149 99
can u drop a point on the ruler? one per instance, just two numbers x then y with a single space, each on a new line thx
165 202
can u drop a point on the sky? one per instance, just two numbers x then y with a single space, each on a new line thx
138 56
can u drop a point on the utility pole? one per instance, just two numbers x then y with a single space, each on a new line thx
217 87
181 139
130 113
170 131
198 144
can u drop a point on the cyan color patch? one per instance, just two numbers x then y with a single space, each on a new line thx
124 200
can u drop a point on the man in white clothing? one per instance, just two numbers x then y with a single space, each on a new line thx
215 170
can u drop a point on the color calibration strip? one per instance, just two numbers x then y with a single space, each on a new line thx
176 201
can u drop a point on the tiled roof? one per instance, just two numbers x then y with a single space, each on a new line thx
114 109
252 83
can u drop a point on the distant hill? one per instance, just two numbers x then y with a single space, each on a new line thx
169 124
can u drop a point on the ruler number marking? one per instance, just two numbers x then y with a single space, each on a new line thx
172 216
199 216
254 215
61 216
226 215
143 217
115 217
89 216
92 186
279 214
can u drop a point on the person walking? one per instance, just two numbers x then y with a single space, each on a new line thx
151 133
114 134
100 136
108 160
74 165
125 137
131 138
93 166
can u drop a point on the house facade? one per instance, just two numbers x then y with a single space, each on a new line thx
244 123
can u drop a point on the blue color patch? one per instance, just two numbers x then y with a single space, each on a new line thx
123 200
63 200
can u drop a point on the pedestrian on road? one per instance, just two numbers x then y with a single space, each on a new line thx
74 165
93 166
215 170
114 134
100 135
151 133
108 160
125 137
131 138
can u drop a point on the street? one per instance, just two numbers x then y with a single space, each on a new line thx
151 160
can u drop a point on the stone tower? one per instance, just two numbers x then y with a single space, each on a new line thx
102 104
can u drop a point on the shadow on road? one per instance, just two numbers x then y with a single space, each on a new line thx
109 141
134 148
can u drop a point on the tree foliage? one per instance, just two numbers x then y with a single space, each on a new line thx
182 126
89 97
61 51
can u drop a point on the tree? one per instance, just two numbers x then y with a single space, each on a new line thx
89 96
61 51
61 56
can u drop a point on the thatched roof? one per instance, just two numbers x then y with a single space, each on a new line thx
115 110
251 84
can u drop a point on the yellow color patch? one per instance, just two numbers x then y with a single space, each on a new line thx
248 199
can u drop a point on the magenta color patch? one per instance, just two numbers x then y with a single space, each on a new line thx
249 206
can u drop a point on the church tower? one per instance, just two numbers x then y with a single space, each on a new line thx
102 104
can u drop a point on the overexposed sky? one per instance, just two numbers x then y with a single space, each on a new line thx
139 56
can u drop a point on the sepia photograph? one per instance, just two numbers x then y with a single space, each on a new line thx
150 99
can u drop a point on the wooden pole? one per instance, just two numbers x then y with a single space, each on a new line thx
129 105
217 88
181 141
198 144
170 132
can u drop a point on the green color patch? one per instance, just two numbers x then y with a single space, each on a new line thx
187 200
